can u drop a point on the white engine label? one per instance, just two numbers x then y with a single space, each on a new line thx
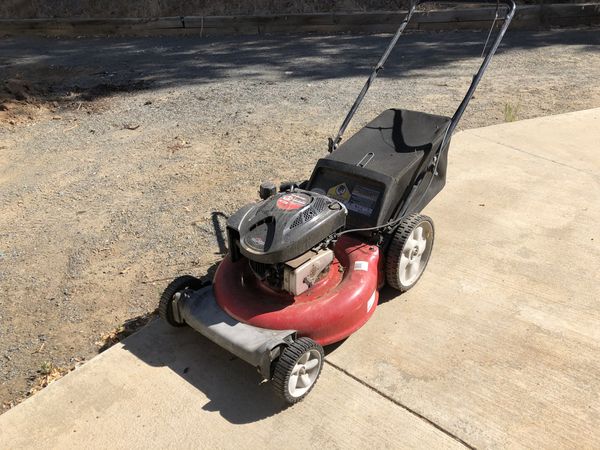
361 265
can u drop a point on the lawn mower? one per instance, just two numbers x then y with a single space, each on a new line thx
305 263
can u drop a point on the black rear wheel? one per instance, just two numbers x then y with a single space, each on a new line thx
409 252
297 369
175 287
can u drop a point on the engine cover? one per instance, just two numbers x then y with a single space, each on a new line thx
284 226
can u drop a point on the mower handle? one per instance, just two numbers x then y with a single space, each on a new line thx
510 4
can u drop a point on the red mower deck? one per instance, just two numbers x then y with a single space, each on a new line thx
330 311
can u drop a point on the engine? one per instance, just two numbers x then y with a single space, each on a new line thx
284 238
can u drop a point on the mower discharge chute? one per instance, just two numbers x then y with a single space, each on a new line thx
305 264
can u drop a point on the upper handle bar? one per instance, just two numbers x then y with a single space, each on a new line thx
334 142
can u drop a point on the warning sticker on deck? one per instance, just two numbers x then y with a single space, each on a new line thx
371 302
361 265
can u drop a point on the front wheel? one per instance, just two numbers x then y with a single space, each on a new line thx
409 252
298 369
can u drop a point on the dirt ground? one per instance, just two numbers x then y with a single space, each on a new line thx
120 158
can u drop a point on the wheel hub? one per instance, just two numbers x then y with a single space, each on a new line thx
305 373
412 262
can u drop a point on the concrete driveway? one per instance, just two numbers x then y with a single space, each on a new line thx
498 346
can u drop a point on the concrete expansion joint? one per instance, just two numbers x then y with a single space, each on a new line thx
401 405
512 147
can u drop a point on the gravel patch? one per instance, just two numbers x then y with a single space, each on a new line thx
122 154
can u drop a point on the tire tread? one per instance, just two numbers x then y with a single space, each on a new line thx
394 251
178 284
290 355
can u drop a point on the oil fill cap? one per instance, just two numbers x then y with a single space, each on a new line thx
267 189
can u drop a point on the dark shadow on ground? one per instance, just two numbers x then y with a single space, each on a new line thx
92 68
387 294
233 387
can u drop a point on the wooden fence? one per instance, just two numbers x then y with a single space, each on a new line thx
527 17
